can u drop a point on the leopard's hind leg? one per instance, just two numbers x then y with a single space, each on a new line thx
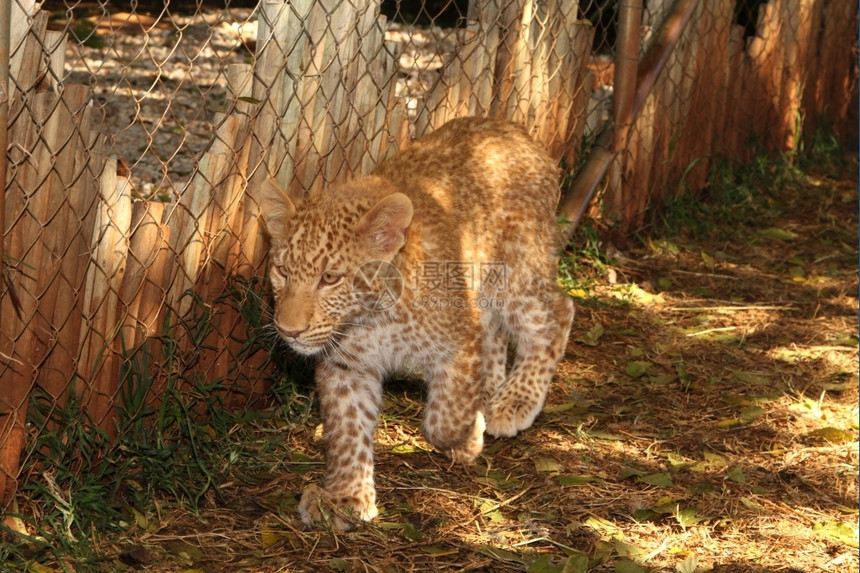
539 326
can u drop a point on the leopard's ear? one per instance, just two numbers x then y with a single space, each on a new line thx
276 207
383 228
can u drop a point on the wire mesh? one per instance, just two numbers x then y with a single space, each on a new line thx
138 132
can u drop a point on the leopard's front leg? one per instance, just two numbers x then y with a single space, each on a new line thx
350 402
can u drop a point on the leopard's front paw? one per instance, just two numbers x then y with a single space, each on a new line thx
508 417
320 506
471 448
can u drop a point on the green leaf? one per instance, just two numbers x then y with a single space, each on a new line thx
573 481
339 564
441 550
578 406
677 462
831 434
837 386
662 379
637 368
592 337
737 475
687 517
576 564
501 554
750 504
495 478
598 435
627 472
838 530
300 457
661 479
184 550
683 375
749 377
777 233
643 514
847 340
624 549
688 565
715 459
547 466
750 413
411 533
490 511
700 487
604 526
528 516
543 564
402 449
625 566
269 537
666 506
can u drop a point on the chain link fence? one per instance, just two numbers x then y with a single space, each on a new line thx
137 132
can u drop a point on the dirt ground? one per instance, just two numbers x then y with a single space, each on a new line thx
703 419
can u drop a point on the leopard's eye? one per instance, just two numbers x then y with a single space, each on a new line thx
330 278
282 272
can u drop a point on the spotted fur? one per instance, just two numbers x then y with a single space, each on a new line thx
476 194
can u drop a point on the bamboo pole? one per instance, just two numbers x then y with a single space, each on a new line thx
576 201
316 91
362 92
22 231
836 90
561 90
28 238
580 85
281 45
99 332
191 225
626 66
503 74
22 13
11 428
626 58
5 42
734 131
482 32
64 133
664 44
142 294
517 104
29 68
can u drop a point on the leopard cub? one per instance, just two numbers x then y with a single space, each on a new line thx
434 262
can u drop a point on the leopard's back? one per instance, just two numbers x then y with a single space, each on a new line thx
484 192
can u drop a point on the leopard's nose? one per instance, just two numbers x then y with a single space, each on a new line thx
291 333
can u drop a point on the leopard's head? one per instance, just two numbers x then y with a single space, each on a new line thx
329 258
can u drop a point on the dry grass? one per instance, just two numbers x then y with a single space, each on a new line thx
704 418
